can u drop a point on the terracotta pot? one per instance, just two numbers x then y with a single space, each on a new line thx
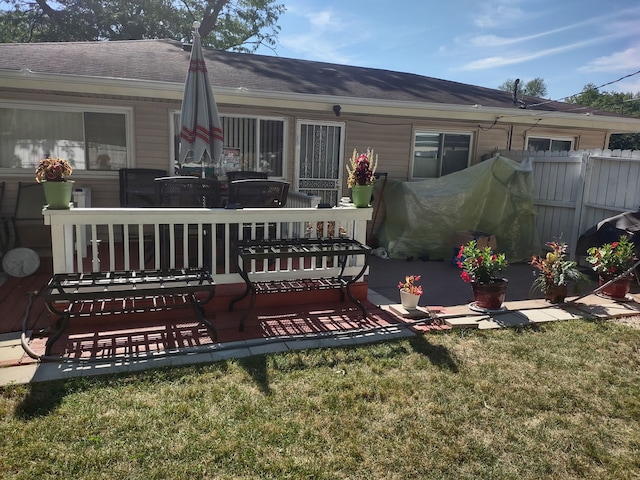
409 300
490 296
617 289
361 195
556 293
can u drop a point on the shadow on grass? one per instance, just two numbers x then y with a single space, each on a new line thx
42 398
256 366
437 354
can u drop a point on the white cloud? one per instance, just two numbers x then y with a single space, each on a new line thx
498 61
497 15
623 61
323 20
322 37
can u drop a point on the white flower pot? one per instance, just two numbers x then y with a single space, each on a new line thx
409 300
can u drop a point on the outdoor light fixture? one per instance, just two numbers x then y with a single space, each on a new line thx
336 110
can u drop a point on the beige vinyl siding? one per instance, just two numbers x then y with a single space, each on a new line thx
391 142
489 139
152 139
592 139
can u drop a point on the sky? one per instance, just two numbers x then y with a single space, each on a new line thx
568 43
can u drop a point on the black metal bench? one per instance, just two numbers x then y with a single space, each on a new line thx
76 295
273 251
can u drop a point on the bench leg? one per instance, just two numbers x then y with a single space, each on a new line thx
200 312
246 312
352 281
61 326
239 297
356 301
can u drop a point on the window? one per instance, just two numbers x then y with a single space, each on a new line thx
89 140
555 144
251 143
438 154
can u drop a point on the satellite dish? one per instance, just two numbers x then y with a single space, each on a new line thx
20 262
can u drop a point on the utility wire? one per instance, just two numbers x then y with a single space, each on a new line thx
598 87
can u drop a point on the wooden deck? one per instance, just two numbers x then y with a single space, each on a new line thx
278 315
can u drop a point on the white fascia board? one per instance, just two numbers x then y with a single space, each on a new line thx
243 96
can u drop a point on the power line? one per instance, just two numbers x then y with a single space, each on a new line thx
598 87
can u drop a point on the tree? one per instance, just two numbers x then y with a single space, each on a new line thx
616 102
534 88
239 25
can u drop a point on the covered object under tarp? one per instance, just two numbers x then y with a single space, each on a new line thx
494 196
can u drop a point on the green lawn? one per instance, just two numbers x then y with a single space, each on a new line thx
559 401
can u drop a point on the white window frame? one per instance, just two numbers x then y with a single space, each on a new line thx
551 140
285 136
76 108
430 131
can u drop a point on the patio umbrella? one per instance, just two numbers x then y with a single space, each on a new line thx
201 130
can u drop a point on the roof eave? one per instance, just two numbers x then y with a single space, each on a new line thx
28 80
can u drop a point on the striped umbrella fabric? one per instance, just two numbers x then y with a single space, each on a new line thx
201 129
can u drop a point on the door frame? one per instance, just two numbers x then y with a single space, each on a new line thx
343 128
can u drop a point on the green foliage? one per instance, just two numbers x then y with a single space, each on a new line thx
240 25
480 264
554 269
535 87
616 102
612 259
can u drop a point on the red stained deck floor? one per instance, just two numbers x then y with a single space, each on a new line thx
116 335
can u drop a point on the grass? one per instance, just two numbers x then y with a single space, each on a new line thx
559 401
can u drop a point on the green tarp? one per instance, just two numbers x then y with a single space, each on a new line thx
494 196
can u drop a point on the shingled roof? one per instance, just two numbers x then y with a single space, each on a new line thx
167 61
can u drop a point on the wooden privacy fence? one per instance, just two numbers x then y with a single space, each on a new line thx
577 189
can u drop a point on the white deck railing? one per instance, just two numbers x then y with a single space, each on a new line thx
107 239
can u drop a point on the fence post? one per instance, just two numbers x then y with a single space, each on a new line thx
581 195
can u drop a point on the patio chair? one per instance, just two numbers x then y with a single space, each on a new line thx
184 191
188 192
245 175
138 187
257 193
7 234
27 222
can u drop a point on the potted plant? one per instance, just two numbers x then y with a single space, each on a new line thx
53 173
410 292
480 267
610 261
555 272
361 176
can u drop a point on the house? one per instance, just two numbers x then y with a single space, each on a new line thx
298 120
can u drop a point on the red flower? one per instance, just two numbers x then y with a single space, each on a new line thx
466 277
